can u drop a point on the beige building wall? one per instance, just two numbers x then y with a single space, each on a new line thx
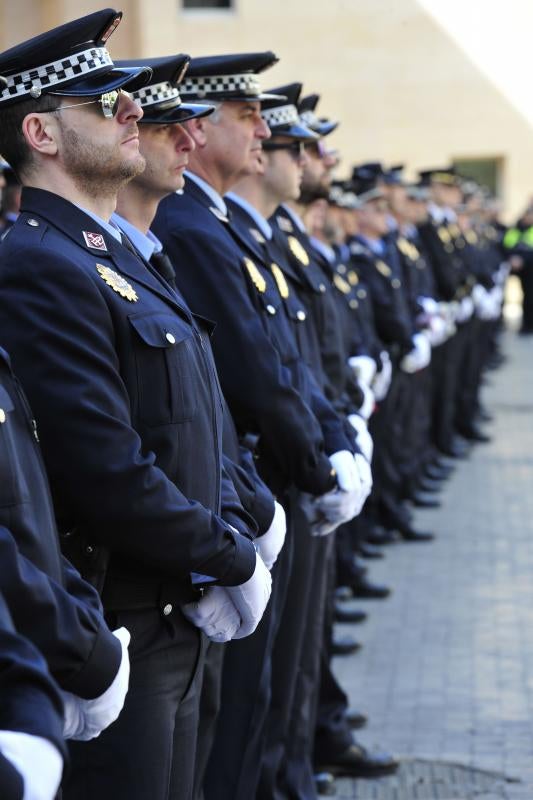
401 83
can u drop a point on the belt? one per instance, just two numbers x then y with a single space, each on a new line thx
165 595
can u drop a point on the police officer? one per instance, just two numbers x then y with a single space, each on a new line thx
130 432
165 145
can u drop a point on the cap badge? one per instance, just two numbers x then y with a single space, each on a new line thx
255 276
218 213
117 283
383 268
95 240
298 250
279 277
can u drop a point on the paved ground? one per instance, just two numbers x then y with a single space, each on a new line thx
446 674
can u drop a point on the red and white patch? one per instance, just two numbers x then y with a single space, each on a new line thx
95 240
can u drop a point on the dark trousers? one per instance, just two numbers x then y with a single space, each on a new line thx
209 711
235 761
296 776
287 657
445 374
149 752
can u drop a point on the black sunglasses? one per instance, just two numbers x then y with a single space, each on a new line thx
296 149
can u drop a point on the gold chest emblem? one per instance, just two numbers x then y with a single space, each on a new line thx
255 276
298 250
383 268
342 285
117 283
279 277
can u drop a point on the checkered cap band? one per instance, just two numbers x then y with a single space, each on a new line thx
282 115
56 73
157 93
310 119
247 84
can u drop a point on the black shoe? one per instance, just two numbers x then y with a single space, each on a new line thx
366 550
456 450
438 473
379 536
357 762
430 485
410 535
475 434
343 594
353 615
325 784
363 588
355 719
421 500
344 646
484 416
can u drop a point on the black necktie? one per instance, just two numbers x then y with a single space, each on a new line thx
163 265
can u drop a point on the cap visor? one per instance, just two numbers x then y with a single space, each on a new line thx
294 132
181 113
325 128
130 78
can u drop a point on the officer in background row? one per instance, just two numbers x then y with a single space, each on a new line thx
141 506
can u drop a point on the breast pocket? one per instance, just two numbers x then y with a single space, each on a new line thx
13 486
165 355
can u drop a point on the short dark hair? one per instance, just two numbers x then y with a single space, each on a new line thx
13 145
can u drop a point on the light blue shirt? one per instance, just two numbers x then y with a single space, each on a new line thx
295 218
213 195
107 226
327 251
258 218
146 243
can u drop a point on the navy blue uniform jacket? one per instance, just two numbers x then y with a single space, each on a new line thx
211 273
125 397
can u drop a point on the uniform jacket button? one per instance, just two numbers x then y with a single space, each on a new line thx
167 609
2 416
170 338
271 309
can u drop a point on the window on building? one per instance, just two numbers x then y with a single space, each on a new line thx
207 4
486 171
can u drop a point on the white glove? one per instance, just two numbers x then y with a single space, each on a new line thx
37 760
429 305
365 479
364 439
215 614
270 543
364 368
419 357
438 330
466 309
86 719
383 379
344 465
369 401
340 506
251 598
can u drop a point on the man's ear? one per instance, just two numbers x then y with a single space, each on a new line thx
41 133
197 129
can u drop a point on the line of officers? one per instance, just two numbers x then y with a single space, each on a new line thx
239 377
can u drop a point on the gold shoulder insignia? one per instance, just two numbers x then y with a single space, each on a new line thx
383 268
298 250
279 277
471 237
117 283
403 246
353 278
454 229
444 234
258 236
342 285
257 279
284 224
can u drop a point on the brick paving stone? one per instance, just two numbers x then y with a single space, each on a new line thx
446 673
